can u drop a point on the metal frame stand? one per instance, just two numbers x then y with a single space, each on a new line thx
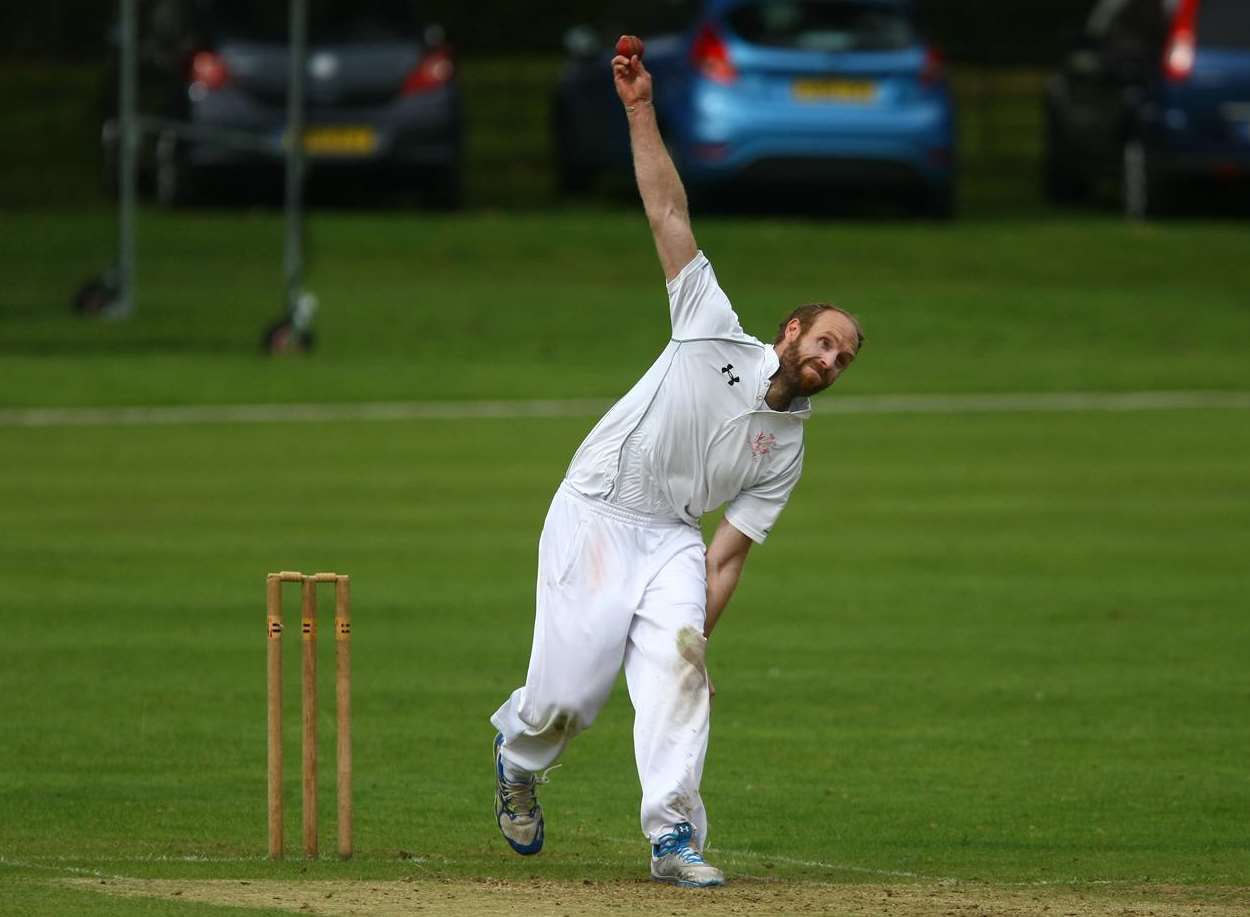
294 332
113 293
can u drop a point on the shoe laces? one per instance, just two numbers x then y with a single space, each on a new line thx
678 844
520 797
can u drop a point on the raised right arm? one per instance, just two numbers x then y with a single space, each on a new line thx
663 197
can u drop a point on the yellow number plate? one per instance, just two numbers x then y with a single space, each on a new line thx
835 90
340 141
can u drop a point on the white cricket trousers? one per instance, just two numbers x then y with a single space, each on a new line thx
617 586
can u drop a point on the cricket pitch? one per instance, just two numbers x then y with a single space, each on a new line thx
756 897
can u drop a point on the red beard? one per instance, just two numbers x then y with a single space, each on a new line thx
792 371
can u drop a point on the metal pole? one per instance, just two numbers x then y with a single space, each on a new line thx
128 141
293 259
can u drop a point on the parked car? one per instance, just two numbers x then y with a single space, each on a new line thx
776 94
1155 95
382 100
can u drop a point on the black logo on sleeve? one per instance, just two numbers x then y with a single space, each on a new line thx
732 377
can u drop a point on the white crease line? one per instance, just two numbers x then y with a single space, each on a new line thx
753 856
762 858
837 867
738 854
43 862
146 858
590 407
78 870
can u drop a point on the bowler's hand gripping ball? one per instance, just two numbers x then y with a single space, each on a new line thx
629 46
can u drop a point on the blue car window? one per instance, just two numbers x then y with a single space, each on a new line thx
823 25
1224 24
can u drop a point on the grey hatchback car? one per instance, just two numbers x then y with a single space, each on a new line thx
382 101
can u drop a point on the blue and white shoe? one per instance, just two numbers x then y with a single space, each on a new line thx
517 810
674 860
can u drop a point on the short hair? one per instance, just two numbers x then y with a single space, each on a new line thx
807 315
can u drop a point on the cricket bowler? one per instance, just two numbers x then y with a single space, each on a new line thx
623 574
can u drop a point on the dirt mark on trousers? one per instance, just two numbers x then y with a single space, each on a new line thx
691 671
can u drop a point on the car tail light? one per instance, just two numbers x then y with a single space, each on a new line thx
435 69
710 56
208 71
934 69
1178 59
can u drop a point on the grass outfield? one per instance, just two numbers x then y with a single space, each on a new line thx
986 660
571 304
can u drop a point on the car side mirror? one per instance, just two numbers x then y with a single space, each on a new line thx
582 41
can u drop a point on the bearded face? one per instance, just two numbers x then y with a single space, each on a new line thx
804 376
814 359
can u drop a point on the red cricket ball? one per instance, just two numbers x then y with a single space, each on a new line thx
628 46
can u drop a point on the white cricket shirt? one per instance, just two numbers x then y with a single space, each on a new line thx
695 432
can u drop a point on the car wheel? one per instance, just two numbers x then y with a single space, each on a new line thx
1062 183
941 203
1141 192
174 179
933 202
445 189
571 177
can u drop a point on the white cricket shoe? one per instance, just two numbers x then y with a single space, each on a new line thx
517 811
674 860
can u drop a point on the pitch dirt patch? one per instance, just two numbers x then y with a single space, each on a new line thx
762 897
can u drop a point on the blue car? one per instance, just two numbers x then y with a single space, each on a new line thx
781 95
1153 101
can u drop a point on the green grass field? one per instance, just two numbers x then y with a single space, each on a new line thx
985 653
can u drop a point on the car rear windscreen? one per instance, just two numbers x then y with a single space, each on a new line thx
1224 24
823 25
328 20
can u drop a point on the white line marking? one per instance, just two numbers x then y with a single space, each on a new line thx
57 865
148 858
297 413
761 858
837 867
1036 402
5 861
903 874
590 407
754 856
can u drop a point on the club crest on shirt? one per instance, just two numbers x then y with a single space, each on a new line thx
762 443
